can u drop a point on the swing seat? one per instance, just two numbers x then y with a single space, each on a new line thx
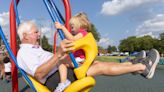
38 86
88 44
84 83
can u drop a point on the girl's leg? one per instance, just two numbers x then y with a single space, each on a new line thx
64 82
62 73
126 63
114 68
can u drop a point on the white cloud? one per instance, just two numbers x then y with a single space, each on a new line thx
4 18
45 30
4 23
48 32
105 42
151 27
116 6
149 33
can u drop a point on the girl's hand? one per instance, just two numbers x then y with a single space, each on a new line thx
58 25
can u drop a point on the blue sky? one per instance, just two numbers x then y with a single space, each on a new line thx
114 19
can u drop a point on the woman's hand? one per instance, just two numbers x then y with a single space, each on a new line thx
65 47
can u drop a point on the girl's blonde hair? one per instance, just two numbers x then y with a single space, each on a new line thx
80 20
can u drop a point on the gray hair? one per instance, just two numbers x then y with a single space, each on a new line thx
25 27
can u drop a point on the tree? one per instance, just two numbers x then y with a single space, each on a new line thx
159 45
99 47
128 45
142 43
45 44
18 42
134 43
147 43
111 49
101 50
114 48
96 34
162 36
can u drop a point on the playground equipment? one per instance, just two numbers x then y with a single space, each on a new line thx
88 44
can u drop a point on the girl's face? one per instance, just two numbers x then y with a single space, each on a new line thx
74 30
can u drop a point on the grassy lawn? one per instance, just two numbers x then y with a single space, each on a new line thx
112 58
109 58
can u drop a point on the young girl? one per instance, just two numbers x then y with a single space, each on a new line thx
80 26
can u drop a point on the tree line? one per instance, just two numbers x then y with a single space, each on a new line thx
134 43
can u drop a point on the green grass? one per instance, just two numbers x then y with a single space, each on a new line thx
109 58
112 58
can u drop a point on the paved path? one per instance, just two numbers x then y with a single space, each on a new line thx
131 83
124 83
